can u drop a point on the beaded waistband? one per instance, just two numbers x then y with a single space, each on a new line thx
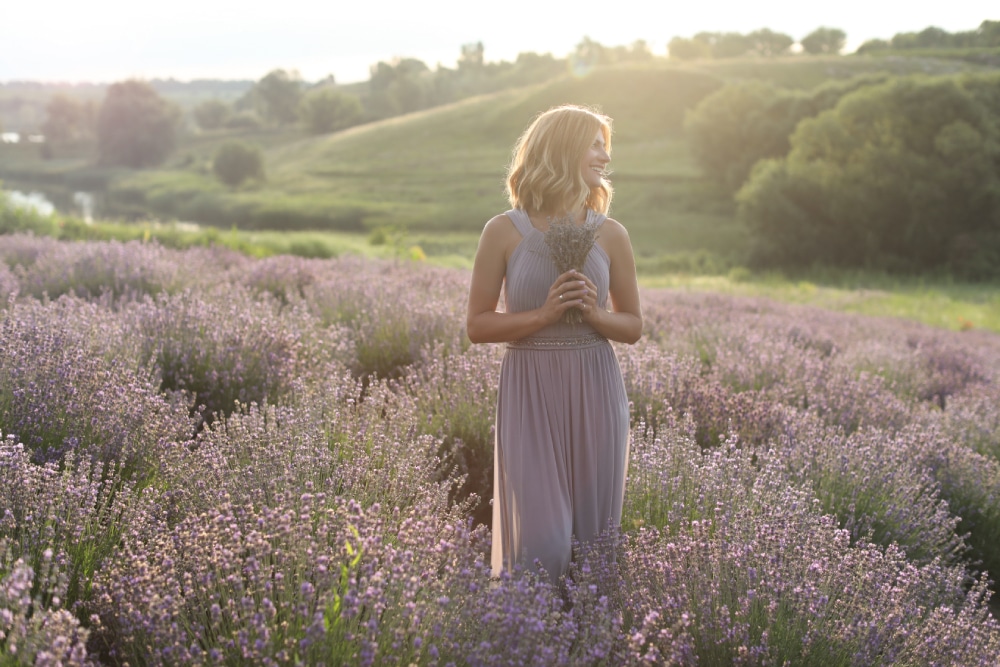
557 343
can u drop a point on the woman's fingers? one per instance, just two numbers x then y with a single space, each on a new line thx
571 290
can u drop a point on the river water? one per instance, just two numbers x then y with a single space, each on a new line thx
80 204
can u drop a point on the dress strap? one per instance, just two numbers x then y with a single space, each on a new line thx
595 219
521 220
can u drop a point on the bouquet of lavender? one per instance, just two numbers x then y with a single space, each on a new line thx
569 244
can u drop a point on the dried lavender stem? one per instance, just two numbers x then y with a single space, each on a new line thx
569 245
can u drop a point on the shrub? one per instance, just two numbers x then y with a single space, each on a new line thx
212 114
236 162
17 219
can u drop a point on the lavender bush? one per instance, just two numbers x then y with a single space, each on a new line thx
220 345
804 487
119 269
61 392
394 313
454 397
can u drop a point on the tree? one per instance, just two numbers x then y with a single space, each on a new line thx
739 124
766 42
824 40
688 49
901 175
988 34
135 126
531 67
472 56
587 55
639 51
725 44
212 114
236 162
873 46
67 120
326 110
399 87
278 95
933 37
636 52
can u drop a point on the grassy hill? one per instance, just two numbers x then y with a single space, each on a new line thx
438 174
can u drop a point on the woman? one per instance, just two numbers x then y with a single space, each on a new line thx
562 413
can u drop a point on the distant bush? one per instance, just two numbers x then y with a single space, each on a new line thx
212 114
236 162
244 120
326 110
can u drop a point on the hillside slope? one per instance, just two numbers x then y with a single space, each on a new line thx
441 170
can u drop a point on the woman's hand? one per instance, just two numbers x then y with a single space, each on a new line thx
570 290
588 304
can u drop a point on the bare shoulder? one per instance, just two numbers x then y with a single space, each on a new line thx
614 227
500 227
614 235
499 237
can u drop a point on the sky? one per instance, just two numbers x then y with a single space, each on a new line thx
103 41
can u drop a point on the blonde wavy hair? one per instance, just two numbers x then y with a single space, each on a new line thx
544 173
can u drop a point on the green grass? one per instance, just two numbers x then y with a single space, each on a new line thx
938 302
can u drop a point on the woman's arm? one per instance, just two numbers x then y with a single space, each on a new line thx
623 323
483 323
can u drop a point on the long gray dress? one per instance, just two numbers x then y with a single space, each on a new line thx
562 420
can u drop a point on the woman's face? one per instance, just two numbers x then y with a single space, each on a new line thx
595 161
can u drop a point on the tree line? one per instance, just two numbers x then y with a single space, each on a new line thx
987 35
826 40
135 126
897 173
764 42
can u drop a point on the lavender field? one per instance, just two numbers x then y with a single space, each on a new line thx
211 459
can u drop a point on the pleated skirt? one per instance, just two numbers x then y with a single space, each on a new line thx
561 454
